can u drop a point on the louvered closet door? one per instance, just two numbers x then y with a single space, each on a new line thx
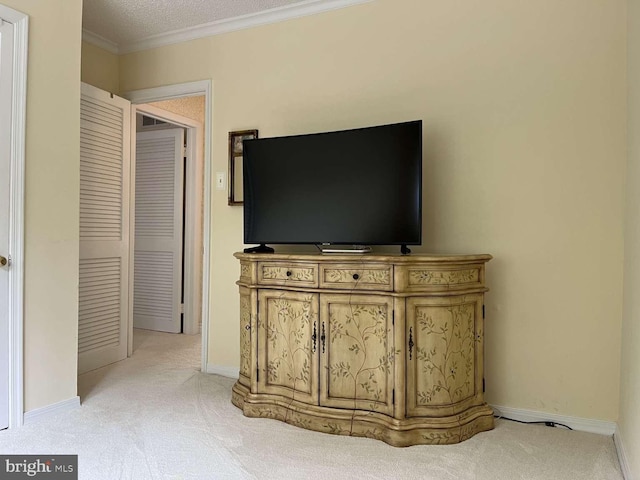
104 228
157 284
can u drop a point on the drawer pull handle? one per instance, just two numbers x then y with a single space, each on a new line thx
356 276
288 273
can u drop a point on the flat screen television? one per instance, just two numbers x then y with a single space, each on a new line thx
351 187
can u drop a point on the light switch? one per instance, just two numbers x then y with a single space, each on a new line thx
220 180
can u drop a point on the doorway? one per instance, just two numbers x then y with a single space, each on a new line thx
168 219
200 88
168 215
119 183
196 238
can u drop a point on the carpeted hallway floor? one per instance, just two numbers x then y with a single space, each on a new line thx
155 416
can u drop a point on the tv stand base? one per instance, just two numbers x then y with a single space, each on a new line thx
415 375
345 249
262 248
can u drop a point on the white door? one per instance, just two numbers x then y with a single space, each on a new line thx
157 284
6 76
104 228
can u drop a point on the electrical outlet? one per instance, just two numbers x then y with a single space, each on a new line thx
220 180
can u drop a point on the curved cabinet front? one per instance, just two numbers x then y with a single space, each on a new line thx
286 349
402 363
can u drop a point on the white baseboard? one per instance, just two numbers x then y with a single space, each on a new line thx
577 423
231 372
622 454
50 410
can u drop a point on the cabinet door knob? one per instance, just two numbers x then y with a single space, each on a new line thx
288 273
3 261
356 276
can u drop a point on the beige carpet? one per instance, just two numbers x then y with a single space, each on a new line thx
155 416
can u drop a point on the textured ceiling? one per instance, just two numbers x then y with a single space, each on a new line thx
126 21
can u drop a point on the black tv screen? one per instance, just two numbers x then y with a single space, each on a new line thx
351 187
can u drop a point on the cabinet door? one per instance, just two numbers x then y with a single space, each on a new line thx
286 347
444 363
356 361
246 316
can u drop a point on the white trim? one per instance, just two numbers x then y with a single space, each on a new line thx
224 371
167 116
193 208
602 427
622 454
13 16
132 223
274 15
95 39
168 92
42 413
20 23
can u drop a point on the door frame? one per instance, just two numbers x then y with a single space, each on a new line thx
20 23
192 207
143 96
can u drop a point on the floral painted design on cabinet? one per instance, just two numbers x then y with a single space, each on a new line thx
245 334
245 271
287 273
376 277
287 324
433 277
445 353
387 347
359 355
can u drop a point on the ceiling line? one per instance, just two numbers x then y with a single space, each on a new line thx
274 15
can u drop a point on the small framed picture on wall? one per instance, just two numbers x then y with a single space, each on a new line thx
236 196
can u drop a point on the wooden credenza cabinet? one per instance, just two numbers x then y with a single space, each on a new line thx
381 346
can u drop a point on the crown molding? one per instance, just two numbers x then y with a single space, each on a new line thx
95 39
279 14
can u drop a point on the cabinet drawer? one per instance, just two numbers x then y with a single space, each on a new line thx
419 278
353 276
295 273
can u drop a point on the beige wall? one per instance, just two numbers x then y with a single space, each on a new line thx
629 420
52 191
99 68
523 106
